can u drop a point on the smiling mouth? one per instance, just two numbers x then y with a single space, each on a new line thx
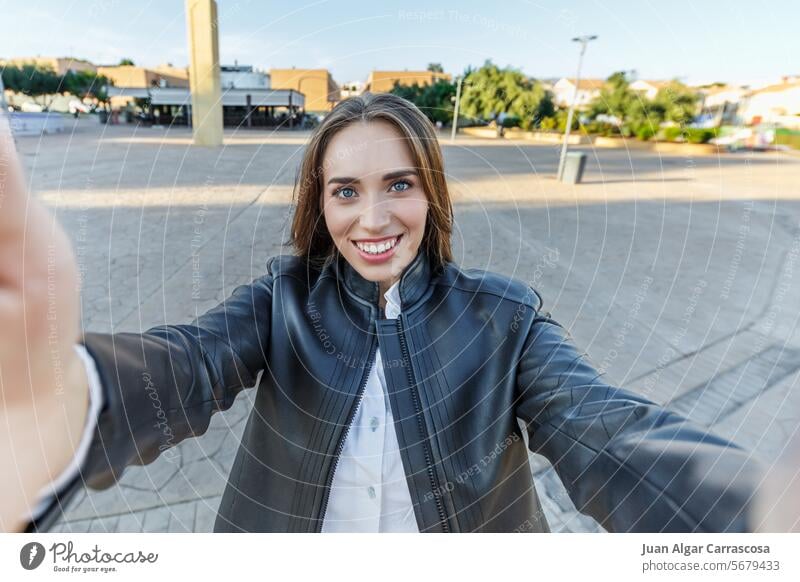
378 247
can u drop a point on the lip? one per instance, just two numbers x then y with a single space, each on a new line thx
384 256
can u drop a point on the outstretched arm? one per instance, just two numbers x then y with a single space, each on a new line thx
158 387
42 382
626 461
162 386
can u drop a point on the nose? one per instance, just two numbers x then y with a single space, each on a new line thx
375 217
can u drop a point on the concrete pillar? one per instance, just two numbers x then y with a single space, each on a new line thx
249 110
204 79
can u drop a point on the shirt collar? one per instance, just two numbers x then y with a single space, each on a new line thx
392 297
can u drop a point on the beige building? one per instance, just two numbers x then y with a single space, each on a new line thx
384 81
133 76
564 91
61 65
170 71
778 104
649 88
320 90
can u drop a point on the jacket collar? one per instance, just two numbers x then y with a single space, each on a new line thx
413 281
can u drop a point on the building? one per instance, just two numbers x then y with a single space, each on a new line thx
351 89
320 90
240 107
242 77
170 71
384 81
564 92
777 104
133 77
140 77
649 89
61 65
720 103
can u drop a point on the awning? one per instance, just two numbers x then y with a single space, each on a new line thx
230 97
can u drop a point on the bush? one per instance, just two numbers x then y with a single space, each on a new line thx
561 118
548 123
673 133
511 121
601 128
645 132
787 137
699 135
689 134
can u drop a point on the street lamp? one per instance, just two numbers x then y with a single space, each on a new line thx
584 40
455 112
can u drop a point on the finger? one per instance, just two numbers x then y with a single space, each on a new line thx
13 197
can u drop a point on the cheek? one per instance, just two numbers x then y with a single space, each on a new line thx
336 219
413 214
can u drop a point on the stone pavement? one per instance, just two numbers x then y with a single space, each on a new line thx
678 276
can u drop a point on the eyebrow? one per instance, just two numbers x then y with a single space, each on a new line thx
386 177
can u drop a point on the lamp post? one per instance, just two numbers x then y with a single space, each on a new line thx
584 40
455 112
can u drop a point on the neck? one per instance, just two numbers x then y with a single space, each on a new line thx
383 287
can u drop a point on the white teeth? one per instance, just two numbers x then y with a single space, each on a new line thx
377 249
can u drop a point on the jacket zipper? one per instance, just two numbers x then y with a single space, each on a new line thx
343 437
421 422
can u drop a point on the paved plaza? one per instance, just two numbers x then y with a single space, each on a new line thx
678 275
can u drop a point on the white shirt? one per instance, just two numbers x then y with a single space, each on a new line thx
369 492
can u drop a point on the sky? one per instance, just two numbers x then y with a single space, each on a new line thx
696 41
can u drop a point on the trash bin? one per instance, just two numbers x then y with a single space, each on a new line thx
573 167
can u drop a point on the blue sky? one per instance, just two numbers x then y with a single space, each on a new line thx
697 41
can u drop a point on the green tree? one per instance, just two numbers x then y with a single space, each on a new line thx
33 81
434 100
679 102
126 62
435 68
641 116
615 98
490 91
39 82
86 84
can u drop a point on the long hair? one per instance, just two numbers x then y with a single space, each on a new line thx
309 235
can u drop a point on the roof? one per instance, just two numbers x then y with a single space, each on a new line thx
654 84
777 88
590 84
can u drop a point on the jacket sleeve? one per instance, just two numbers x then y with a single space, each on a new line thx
629 463
162 386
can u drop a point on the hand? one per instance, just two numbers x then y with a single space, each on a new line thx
777 504
43 385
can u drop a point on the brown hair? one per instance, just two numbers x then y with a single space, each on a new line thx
309 235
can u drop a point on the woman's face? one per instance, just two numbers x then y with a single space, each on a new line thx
373 202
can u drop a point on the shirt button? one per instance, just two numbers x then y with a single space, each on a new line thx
371 492
374 423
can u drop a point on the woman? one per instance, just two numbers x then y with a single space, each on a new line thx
391 382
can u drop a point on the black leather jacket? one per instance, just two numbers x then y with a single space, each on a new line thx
470 356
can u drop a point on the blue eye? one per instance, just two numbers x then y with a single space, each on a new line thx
340 191
406 186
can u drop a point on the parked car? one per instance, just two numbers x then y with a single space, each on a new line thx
78 106
31 107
